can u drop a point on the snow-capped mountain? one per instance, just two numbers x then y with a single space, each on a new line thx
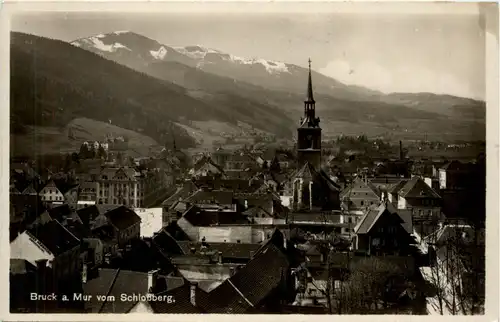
135 50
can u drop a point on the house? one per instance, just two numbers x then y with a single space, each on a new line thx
118 227
170 215
360 194
206 167
52 243
30 190
205 198
120 186
259 215
240 162
220 156
87 191
215 226
455 175
385 230
58 192
422 201
262 285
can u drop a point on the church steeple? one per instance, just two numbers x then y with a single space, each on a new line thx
310 98
309 119
309 132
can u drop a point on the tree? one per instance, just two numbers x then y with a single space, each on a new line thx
101 152
84 151
455 272
373 284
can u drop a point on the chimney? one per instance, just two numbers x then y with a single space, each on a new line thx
192 293
84 273
401 155
219 258
152 278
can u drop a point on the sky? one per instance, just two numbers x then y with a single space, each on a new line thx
443 54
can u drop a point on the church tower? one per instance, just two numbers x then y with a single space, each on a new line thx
309 132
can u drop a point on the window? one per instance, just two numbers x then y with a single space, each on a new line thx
362 202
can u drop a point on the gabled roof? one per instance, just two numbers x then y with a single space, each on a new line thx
308 173
354 186
88 214
251 284
59 213
417 188
30 190
397 187
372 216
206 160
183 192
122 217
54 236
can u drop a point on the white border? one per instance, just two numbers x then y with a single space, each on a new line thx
489 12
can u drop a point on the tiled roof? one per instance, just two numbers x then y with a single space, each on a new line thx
365 186
372 215
88 214
261 275
226 299
122 217
167 243
55 237
417 188
59 213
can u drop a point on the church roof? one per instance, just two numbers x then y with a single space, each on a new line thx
309 173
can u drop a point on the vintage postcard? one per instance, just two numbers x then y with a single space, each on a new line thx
250 158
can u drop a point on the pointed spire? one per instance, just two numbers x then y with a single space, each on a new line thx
310 97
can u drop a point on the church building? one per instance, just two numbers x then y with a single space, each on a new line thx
310 188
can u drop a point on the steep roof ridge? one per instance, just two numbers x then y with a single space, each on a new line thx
109 290
239 292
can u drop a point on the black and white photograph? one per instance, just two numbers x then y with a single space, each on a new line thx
284 161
